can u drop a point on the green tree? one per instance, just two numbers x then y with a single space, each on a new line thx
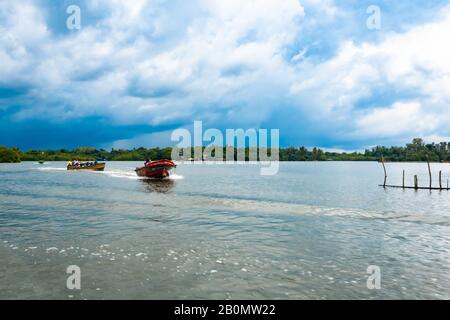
9 155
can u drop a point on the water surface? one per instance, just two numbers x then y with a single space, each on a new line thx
223 232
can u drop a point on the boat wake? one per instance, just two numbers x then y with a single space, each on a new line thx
132 175
51 169
124 174
121 174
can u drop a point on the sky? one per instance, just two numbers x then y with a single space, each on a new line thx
137 70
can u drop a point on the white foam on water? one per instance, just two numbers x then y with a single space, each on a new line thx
132 175
51 169
122 174
176 177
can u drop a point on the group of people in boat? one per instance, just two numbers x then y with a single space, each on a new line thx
80 164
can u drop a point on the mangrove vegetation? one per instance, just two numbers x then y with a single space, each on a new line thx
416 151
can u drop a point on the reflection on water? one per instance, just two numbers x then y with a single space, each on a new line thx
158 185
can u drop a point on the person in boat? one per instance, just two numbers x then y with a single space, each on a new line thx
147 162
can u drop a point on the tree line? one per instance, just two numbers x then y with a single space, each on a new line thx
415 151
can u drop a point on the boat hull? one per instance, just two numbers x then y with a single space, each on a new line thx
96 167
156 170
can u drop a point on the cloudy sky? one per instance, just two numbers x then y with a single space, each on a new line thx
136 70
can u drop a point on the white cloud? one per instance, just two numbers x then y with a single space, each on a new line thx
400 118
414 63
22 28
224 59
156 62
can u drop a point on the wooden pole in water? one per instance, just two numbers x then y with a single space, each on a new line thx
416 182
385 173
429 172
403 180
440 179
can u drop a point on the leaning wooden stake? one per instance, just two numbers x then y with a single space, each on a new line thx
385 173
429 172
403 180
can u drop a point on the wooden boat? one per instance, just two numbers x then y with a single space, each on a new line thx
96 166
156 169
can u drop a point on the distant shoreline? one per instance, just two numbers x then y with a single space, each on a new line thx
251 162
416 151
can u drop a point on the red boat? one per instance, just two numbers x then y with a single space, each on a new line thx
156 169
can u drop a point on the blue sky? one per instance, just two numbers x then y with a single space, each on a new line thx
136 70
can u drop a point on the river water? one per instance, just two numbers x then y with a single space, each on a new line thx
223 232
